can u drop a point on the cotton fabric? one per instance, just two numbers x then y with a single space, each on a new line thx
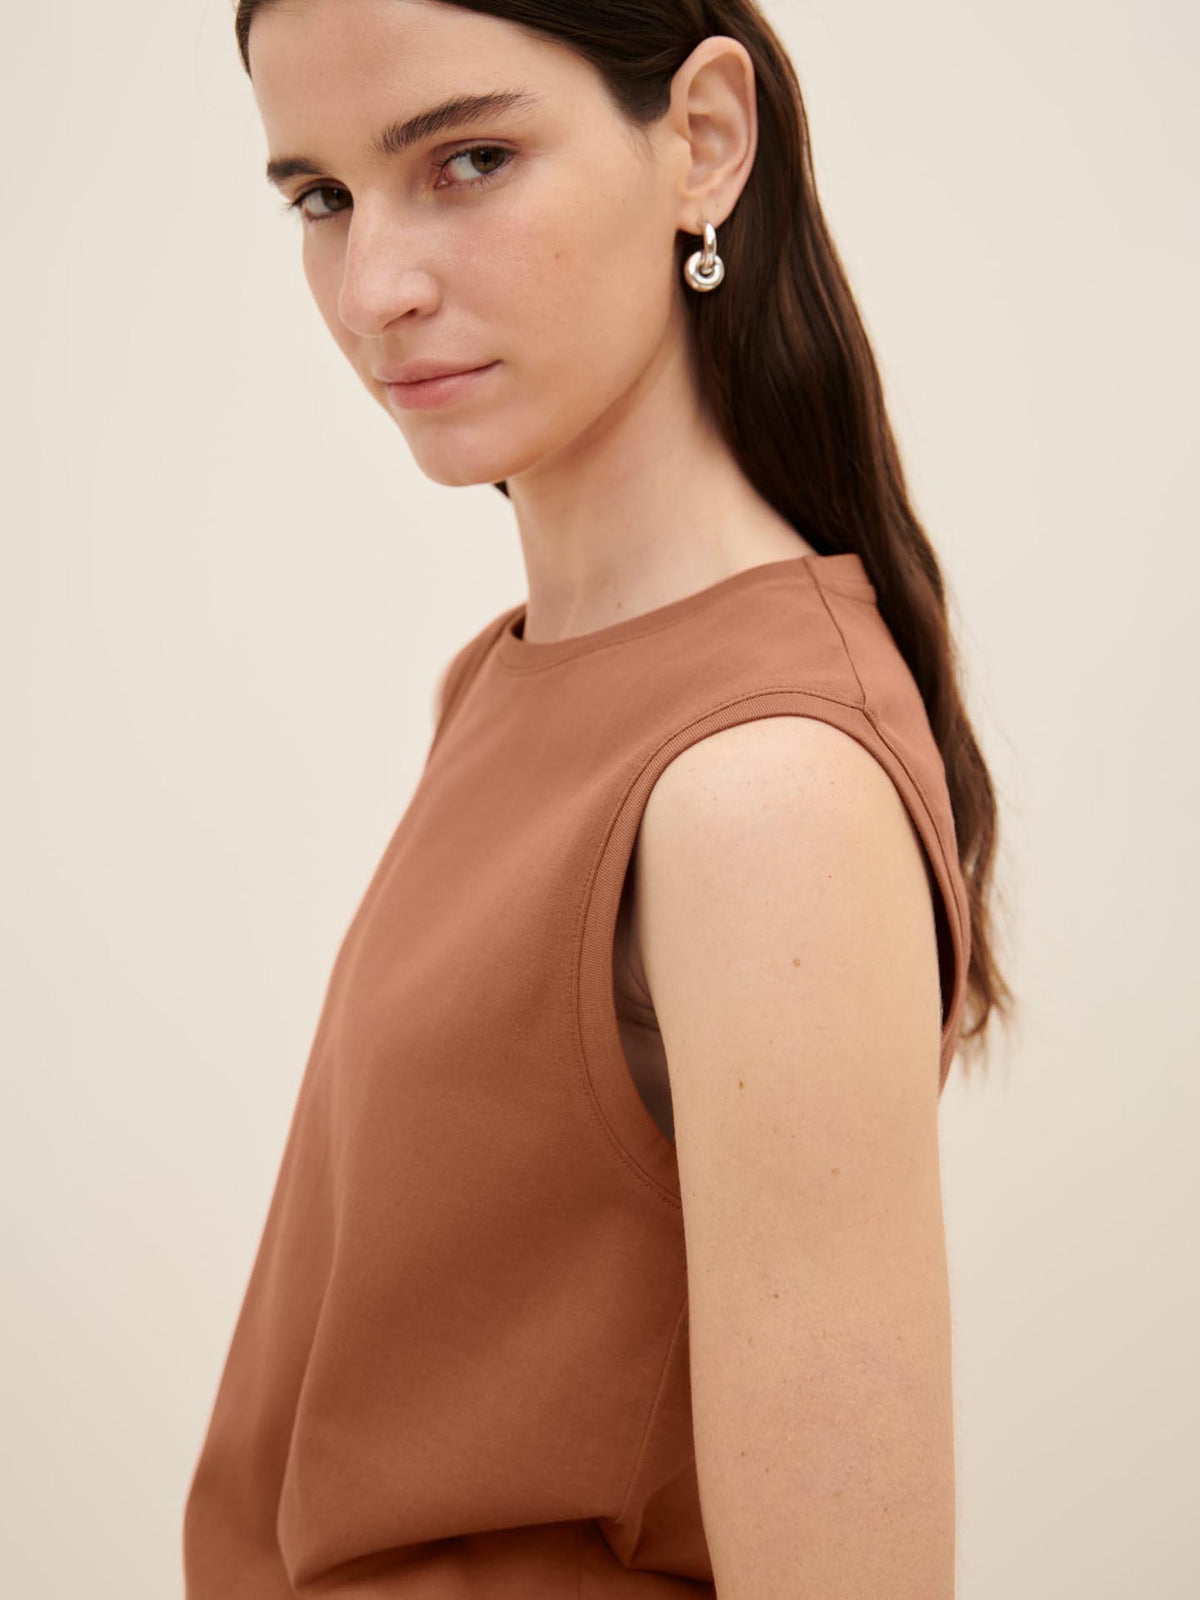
460 1367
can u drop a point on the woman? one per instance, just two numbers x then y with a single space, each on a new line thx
606 1253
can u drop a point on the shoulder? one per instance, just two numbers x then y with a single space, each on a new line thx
782 884
769 760
787 800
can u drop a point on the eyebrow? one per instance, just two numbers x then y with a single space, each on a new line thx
397 136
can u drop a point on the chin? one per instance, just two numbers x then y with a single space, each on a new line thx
457 459
454 480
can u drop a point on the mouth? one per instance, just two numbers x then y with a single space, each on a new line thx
429 392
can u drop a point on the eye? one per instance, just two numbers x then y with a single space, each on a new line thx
298 204
471 152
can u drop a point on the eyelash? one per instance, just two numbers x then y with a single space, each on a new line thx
472 183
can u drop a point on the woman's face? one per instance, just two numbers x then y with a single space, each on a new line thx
548 250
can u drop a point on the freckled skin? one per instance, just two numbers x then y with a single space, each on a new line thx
561 268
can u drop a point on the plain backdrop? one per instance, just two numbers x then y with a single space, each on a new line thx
227 592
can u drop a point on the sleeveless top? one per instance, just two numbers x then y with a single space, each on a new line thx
460 1367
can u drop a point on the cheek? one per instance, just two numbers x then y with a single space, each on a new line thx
577 300
323 274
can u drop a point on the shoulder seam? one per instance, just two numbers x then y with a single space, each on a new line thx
837 628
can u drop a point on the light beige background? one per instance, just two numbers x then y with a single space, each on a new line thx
227 593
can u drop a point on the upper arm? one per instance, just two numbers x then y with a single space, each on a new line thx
788 939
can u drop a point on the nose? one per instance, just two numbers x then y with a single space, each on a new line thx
387 273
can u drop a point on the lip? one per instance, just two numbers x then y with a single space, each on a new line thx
438 389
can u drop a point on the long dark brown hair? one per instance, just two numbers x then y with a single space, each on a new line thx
783 362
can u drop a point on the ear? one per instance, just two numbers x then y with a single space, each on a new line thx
714 114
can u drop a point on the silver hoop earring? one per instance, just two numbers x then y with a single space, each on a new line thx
704 269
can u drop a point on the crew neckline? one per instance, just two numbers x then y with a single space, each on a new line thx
843 571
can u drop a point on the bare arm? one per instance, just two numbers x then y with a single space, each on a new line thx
788 940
